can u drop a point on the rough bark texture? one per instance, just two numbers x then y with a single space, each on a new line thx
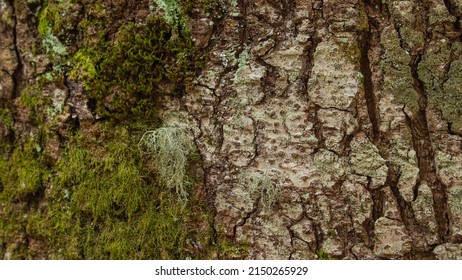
325 128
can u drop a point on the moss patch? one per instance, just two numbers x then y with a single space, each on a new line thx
142 63
100 201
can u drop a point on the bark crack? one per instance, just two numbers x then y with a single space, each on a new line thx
18 71
366 71
425 154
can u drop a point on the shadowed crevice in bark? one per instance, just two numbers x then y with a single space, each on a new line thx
18 71
404 207
368 84
425 154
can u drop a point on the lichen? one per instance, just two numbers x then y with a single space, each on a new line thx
171 147
103 202
451 100
397 74
261 186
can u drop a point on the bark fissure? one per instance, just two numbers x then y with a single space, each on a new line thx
425 154
18 71
368 85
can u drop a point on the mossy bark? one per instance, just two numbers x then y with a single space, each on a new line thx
313 129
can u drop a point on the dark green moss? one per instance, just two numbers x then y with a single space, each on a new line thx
104 203
144 62
23 173
99 197
323 255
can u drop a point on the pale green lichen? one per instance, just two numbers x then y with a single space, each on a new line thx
443 89
52 45
451 101
329 162
262 186
171 148
173 12
398 79
365 159
412 39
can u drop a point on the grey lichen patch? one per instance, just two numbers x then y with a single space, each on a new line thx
171 147
360 203
261 186
172 11
263 234
431 70
330 164
53 46
337 125
305 231
391 239
449 168
297 125
402 10
413 40
439 14
451 101
398 79
232 204
58 99
455 207
405 159
248 79
448 251
334 82
443 89
365 160
288 59
332 247
425 214
413 37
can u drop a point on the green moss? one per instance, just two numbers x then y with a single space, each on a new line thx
5 118
32 99
50 20
144 62
43 100
59 18
230 250
23 173
105 203
84 65
323 255
103 198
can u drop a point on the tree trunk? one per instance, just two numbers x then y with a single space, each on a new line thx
323 128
